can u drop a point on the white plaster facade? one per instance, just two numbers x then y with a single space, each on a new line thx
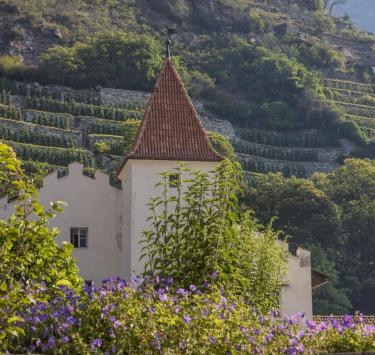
139 178
296 296
93 204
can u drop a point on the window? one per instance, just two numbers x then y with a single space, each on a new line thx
174 180
78 237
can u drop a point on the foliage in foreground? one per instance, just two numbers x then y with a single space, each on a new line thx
154 317
196 228
29 254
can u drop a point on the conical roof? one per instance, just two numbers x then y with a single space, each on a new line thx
171 128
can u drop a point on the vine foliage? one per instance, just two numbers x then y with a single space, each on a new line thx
197 235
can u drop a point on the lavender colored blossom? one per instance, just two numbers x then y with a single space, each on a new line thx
212 339
186 319
95 344
214 275
192 288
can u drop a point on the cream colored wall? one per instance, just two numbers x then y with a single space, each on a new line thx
94 204
139 178
296 296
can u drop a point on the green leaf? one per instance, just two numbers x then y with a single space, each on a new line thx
15 319
63 283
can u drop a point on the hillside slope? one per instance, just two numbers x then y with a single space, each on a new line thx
279 72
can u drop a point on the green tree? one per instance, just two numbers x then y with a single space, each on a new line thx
58 64
222 145
29 256
196 230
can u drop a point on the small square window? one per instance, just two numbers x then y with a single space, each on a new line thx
78 237
174 180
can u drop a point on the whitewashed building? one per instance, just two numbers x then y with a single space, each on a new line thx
105 223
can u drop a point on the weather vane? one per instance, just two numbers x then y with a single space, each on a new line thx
168 42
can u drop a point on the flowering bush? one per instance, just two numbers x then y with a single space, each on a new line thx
154 317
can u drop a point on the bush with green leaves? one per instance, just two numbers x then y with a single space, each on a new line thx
197 230
154 317
29 255
222 145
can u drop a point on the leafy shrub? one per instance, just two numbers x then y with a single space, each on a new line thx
352 131
102 147
222 145
198 230
113 59
29 255
155 317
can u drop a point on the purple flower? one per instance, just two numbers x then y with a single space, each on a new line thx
115 322
192 288
152 309
186 319
268 338
177 309
323 326
311 325
243 329
206 284
96 343
300 334
212 339
222 316
65 339
214 275
169 280
204 313
51 343
163 297
347 321
181 292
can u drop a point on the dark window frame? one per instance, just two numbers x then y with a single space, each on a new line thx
79 237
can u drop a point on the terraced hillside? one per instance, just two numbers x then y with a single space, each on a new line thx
56 126
299 153
357 102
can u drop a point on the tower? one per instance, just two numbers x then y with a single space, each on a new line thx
171 132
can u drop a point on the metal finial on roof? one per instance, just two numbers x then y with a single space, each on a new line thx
168 42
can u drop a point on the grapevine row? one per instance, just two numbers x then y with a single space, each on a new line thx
361 121
347 97
304 139
273 152
348 85
356 110
55 156
62 94
79 109
28 134
62 121
262 166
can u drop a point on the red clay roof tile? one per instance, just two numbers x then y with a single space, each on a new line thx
171 128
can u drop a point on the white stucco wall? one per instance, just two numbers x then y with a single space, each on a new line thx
92 204
296 296
139 178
